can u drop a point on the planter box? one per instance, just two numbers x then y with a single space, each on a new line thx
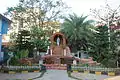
86 72
98 73
24 71
37 71
111 73
75 71
11 72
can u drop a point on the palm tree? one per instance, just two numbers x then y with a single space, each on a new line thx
77 31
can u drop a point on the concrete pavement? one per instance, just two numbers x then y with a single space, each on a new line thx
49 75
52 75
85 76
55 75
25 76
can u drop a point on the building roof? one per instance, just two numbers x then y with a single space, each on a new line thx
8 20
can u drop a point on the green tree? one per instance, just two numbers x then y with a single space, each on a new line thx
23 42
100 50
44 14
101 43
115 47
39 39
77 30
106 14
110 16
30 13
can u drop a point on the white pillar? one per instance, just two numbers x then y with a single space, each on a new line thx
78 54
48 50
65 52
51 51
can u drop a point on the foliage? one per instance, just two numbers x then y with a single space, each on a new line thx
100 43
41 13
18 55
14 61
77 31
34 21
39 39
106 14
103 50
23 41
115 46
109 52
24 53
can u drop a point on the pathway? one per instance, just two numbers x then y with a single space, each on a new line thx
52 75
62 75
55 75
85 76
25 76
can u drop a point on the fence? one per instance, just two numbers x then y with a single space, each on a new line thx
22 67
79 68
56 66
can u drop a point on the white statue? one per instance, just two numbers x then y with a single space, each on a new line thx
10 56
58 41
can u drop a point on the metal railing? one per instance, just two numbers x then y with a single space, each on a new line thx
22 67
79 68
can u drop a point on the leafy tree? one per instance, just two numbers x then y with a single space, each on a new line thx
106 14
100 50
115 46
77 31
110 16
39 39
41 13
23 42
101 43
24 53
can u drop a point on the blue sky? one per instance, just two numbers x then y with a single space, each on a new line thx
77 6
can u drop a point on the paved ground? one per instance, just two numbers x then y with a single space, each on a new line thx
52 75
49 75
55 75
25 76
114 78
85 76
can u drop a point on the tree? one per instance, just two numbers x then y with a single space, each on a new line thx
100 50
106 14
101 43
115 47
30 13
109 16
77 30
44 15
23 42
39 39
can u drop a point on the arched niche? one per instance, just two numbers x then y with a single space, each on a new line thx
54 37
